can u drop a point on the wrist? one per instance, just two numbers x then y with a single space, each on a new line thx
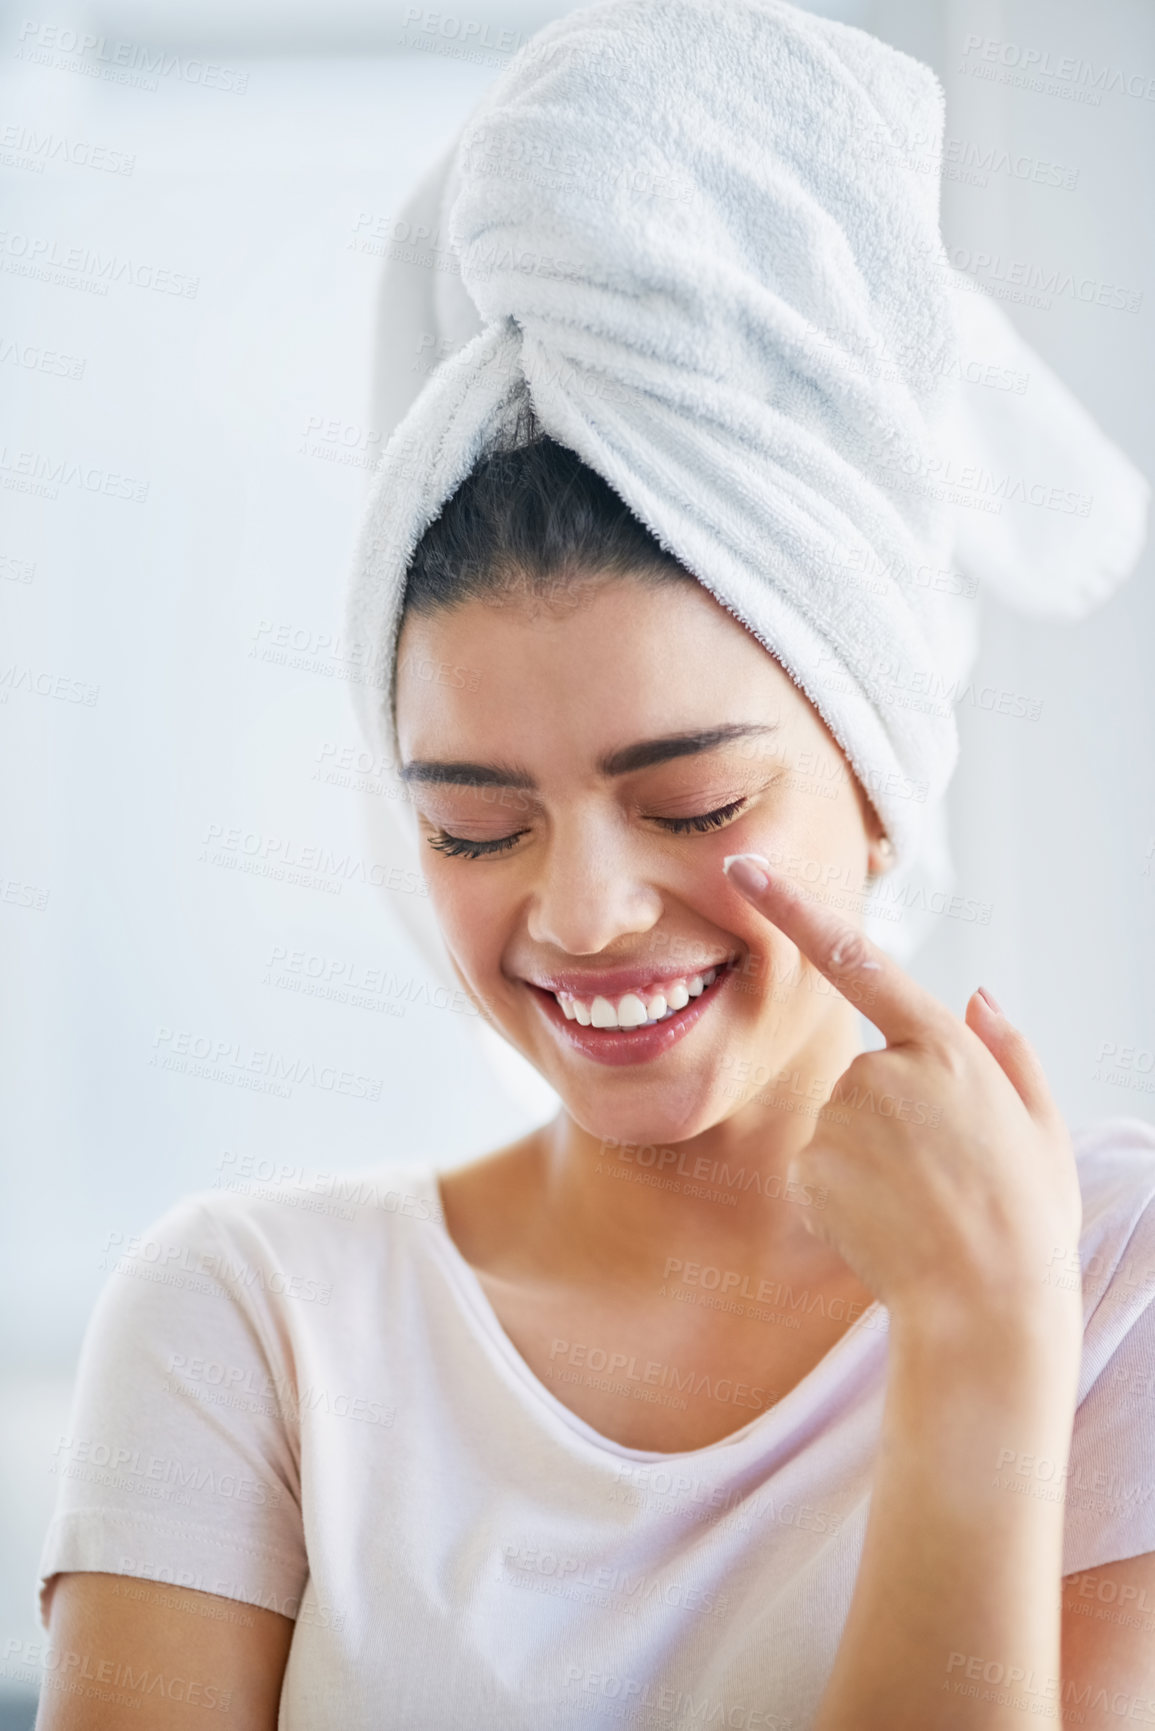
991 1338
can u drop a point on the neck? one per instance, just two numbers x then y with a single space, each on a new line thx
723 1197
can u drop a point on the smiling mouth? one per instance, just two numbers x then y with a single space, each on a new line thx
644 1008
668 1005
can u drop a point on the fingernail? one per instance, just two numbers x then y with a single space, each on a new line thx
742 870
985 995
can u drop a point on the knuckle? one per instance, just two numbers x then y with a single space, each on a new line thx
866 1065
846 952
946 1051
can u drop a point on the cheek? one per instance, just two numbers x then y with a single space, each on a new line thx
458 909
825 824
768 978
771 979
472 918
812 833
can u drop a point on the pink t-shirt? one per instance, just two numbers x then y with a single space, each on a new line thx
298 1396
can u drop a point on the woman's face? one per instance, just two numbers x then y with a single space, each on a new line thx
578 779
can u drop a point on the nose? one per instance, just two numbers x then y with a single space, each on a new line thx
590 891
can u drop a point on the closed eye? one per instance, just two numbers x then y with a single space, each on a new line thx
459 847
708 820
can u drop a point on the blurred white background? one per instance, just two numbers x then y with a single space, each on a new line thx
185 349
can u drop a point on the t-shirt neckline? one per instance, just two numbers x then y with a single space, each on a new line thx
763 1426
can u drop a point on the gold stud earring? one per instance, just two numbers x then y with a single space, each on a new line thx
885 849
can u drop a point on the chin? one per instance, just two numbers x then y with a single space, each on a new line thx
662 1121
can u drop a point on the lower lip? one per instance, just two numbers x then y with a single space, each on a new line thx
629 1046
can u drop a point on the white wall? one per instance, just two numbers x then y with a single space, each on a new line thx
239 409
1053 821
125 918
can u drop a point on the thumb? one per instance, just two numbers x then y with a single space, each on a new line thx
1013 1053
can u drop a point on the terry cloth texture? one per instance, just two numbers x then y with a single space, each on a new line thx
701 238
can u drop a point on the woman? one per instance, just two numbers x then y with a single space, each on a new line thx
759 1387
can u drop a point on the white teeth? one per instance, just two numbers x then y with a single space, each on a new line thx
634 1010
631 1011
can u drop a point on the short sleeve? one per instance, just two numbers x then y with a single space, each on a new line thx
1109 1490
181 1459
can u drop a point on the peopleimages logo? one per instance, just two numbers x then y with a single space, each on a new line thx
136 63
1020 278
198 1054
49 474
24 147
311 865
995 58
86 267
965 159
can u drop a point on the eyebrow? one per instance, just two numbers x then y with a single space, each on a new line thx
644 755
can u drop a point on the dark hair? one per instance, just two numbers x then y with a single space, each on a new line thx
531 518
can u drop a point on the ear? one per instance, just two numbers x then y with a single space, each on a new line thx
880 857
880 851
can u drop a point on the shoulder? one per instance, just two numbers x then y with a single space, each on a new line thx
279 1229
1116 1260
281 1196
1109 1483
1114 1155
1116 1164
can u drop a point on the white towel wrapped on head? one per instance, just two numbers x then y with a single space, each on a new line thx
702 236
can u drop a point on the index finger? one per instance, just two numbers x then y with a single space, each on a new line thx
903 1011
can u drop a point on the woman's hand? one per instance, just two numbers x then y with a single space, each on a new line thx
950 1178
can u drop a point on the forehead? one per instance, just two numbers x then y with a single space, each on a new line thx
619 661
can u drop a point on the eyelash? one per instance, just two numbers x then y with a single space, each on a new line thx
708 820
457 847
